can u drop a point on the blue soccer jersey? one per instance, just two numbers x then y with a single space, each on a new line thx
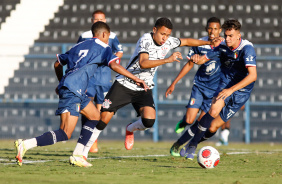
103 75
235 62
82 61
208 75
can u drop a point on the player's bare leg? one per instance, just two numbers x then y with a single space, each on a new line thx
188 119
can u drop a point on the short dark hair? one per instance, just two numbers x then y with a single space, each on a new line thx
98 26
213 19
231 24
98 12
164 22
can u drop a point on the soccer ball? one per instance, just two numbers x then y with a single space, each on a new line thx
208 157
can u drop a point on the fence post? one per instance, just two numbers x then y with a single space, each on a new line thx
155 95
247 122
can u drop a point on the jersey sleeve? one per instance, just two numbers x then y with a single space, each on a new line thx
144 46
116 47
63 58
109 57
192 51
174 42
249 56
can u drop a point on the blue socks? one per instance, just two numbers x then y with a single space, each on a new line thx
49 138
86 131
188 134
204 124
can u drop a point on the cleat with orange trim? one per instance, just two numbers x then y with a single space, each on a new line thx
79 160
129 139
20 148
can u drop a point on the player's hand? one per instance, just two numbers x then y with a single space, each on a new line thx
174 57
141 83
195 58
216 41
224 94
169 90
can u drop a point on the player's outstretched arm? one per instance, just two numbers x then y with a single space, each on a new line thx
146 63
191 42
186 68
119 69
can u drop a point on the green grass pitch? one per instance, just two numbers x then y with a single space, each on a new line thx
147 162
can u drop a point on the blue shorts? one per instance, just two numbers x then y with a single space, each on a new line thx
201 98
98 92
233 103
70 102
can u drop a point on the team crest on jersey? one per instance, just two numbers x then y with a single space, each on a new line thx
235 55
164 51
106 103
77 107
192 101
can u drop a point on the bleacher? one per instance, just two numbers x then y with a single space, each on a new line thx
6 7
35 79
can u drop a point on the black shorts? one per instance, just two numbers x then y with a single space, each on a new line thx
119 96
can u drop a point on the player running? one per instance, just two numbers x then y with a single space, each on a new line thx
149 53
82 60
100 84
206 82
239 74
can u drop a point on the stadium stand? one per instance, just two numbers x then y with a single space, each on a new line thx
6 7
34 80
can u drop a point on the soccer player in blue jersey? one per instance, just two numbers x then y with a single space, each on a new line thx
100 84
205 82
82 60
238 67
150 52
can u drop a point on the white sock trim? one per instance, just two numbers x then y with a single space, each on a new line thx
92 139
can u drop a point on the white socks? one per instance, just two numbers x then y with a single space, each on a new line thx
224 135
92 139
30 143
137 125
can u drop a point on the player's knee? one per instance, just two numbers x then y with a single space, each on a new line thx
213 112
148 123
189 120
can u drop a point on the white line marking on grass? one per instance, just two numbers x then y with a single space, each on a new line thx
135 156
116 157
